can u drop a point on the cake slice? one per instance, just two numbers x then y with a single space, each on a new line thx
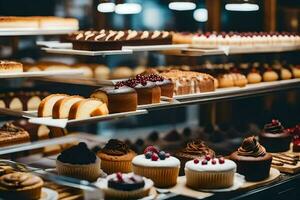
87 108
62 107
46 106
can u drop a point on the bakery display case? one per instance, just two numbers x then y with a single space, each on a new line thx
126 100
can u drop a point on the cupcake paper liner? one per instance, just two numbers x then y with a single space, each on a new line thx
161 176
110 167
209 180
28 193
88 172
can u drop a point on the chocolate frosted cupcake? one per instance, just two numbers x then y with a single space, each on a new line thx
275 138
252 160
194 149
79 162
116 156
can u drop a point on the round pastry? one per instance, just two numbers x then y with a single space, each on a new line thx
121 72
296 71
101 72
194 149
125 186
254 77
285 74
138 70
270 75
86 68
79 162
157 165
225 81
239 80
20 185
274 137
116 156
210 173
252 160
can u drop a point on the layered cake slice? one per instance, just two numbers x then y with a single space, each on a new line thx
62 107
46 106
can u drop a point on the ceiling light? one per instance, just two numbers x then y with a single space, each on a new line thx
242 5
200 15
106 7
182 6
128 8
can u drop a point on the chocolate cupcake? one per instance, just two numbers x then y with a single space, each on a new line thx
116 156
79 162
252 160
194 149
275 138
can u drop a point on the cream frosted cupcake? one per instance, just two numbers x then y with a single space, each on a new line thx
157 165
79 162
210 173
125 186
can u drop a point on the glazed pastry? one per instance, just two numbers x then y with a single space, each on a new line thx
12 135
239 80
116 156
254 77
296 71
275 138
79 162
19 185
101 72
270 75
157 165
118 99
10 66
194 149
210 173
121 72
285 74
252 160
225 81
125 186
86 68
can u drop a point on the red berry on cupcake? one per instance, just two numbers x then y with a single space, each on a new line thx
207 157
196 161
154 157
151 149
204 162
213 161
221 160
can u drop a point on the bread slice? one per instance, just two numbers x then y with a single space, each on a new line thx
88 108
46 105
62 107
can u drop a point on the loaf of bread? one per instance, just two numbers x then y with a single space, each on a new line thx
62 107
47 104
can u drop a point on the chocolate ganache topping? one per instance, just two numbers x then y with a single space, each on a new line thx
116 148
19 180
197 147
251 147
274 127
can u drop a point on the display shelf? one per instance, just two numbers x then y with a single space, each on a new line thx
64 73
86 53
24 32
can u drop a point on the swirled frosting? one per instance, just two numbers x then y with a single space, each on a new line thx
19 180
197 147
251 147
116 148
274 127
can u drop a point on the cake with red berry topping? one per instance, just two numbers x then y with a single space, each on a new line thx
157 165
295 132
210 173
275 138
252 160
119 98
125 186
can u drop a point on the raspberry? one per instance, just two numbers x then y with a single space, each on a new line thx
151 149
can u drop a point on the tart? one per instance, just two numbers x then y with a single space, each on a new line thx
19 185
252 160
116 156
210 173
125 186
157 165
274 137
79 162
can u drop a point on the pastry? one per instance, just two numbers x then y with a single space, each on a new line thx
139 70
101 72
210 173
157 165
239 80
285 74
225 81
252 160
51 66
57 23
194 149
121 72
86 68
116 156
24 23
270 75
118 99
62 107
296 71
295 132
125 186
274 137
254 77
87 108
20 185
12 135
79 162
46 105
10 66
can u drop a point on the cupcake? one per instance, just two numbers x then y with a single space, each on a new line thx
116 156
252 160
210 173
275 138
296 138
20 185
125 186
79 162
157 165
194 149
